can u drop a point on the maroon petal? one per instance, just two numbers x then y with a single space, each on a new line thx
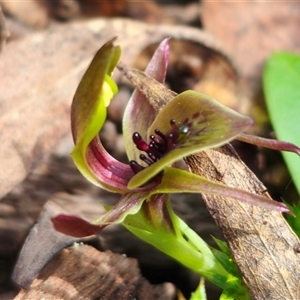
74 226
268 143
111 174
129 204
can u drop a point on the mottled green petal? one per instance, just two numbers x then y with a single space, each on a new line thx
202 123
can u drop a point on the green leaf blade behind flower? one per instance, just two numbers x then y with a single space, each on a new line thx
294 221
281 81
209 124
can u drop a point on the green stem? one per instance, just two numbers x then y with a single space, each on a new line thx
190 250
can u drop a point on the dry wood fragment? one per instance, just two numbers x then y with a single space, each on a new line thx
81 272
261 241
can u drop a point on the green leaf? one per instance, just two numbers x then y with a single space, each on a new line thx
202 123
281 82
200 293
222 245
232 294
226 260
294 222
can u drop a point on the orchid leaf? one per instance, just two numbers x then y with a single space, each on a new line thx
225 258
202 123
294 222
180 243
192 237
138 107
222 245
176 180
281 81
200 293
173 247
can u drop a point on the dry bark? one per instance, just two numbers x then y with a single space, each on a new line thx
81 272
262 243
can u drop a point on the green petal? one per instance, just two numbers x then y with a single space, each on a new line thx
180 181
202 123
129 204
88 111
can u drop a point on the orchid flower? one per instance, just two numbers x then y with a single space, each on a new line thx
156 144
191 122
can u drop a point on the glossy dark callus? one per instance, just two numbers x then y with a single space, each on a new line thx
158 146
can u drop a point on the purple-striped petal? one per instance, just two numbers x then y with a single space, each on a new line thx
139 113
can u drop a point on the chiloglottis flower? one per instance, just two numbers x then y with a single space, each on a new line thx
155 142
